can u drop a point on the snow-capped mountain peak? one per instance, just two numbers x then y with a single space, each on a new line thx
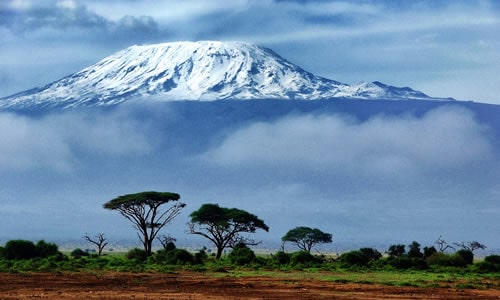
206 70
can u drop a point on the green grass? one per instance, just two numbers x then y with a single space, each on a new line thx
422 279
457 278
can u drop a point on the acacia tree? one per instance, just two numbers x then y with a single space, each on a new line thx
305 237
146 213
99 240
224 226
471 246
442 244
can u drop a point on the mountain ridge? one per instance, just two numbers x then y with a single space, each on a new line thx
201 71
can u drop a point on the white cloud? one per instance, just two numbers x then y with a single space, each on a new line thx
57 142
441 141
26 144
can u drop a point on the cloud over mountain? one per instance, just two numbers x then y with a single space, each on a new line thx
443 141
58 143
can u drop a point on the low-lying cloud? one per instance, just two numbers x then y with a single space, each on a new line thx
58 142
441 140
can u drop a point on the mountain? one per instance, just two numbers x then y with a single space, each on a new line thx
203 71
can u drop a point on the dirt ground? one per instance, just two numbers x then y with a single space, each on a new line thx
190 285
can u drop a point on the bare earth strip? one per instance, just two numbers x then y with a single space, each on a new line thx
191 285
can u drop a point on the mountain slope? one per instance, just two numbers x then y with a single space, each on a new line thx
204 71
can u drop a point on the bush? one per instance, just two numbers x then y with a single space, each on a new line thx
77 253
492 259
179 257
404 262
173 256
200 257
361 257
370 253
446 260
170 246
354 258
45 249
467 256
281 258
302 257
241 255
428 251
396 250
137 254
491 263
414 250
20 249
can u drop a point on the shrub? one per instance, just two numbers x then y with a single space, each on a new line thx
402 262
414 250
137 254
467 256
178 257
302 257
428 251
170 246
281 258
20 249
446 260
370 253
45 249
354 258
241 255
200 257
492 259
396 250
77 253
491 263
173 256
361 257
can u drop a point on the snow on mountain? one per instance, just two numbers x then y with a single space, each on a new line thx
203 71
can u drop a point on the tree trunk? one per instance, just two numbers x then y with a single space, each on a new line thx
219 252
149 249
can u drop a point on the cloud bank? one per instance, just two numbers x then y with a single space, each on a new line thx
442 140
57 143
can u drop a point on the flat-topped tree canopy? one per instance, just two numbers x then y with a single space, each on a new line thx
148 198
145 212
223 226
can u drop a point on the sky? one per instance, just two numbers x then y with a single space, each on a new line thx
443 48
365 173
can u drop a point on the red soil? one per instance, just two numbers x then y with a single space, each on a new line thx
190 285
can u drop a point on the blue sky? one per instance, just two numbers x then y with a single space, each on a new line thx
443 48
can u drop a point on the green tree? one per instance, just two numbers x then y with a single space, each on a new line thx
414 250
20 249
396 250
224 226
305 237
145 211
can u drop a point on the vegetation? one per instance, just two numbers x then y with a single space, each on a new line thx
365 265
224 226
144 211
305 238
99 241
